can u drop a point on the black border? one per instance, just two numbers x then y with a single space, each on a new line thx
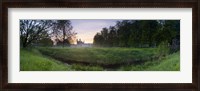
194 4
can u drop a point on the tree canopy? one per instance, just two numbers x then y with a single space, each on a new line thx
138 33
37 31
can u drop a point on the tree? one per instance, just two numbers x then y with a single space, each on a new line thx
98 39
33 30
44 42
62 30
105 35
168 31
112 36
149 28
135 35
140 33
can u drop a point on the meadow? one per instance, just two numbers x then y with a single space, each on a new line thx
128 45
97 59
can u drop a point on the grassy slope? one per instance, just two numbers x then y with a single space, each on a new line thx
169 63
32 60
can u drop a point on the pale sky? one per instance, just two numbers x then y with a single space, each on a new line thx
87 28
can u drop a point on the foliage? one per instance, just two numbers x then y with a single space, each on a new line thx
44 42
138 33
62 31
163 49
34 31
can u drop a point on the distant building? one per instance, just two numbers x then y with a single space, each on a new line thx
57 41
81 43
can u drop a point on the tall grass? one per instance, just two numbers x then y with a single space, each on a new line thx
101 55
32 60
168 63
35 60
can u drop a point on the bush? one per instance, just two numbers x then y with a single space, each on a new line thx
163 49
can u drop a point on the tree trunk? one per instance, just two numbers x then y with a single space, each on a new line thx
24 44
63 36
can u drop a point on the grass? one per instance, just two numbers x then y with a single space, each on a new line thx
78 67
104 56
33 60
168 63
48 59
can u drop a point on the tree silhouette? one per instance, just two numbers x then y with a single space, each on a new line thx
33 30
139 33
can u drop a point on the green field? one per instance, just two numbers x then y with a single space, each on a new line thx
97 59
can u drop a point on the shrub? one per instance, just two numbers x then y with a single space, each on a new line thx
163 49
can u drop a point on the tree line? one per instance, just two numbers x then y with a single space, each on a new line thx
139 33
33 32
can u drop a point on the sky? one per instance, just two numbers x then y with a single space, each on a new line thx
86 29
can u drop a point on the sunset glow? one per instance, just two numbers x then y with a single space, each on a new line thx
86 29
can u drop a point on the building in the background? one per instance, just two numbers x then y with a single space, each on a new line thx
81 43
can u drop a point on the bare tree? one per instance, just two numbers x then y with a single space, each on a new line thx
33 30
